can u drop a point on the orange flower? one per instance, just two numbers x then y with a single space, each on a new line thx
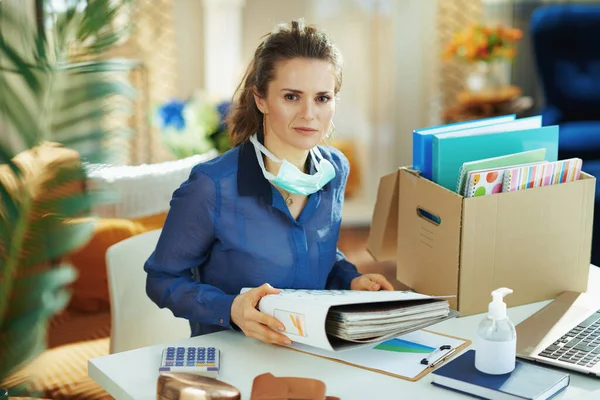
478 42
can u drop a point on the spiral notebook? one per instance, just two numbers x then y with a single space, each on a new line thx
492 180
483 183
502 162
526 177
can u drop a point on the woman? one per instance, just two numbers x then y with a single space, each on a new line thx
267 213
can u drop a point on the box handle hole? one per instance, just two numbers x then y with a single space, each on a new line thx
429 217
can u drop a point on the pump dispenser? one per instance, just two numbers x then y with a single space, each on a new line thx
496 343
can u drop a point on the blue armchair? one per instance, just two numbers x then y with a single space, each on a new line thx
566 45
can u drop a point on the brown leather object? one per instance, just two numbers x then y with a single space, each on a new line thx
268 387
184 386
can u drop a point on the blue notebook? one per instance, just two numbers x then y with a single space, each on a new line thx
527 381
450 151
422 139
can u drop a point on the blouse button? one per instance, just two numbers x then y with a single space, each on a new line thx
220 320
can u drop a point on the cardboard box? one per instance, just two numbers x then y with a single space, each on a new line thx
536 241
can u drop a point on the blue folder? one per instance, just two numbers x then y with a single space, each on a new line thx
422 140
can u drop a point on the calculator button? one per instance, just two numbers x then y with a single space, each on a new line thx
179 364
200 364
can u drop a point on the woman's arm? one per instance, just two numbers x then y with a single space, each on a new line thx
343 271
185 243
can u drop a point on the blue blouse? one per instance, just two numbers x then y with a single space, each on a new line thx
228 228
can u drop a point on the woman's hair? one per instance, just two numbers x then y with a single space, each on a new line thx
284 43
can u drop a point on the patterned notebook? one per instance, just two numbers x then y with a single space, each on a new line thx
484 182
532 176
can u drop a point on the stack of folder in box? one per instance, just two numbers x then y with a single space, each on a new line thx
492 155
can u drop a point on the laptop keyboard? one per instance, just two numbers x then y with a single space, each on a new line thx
580 346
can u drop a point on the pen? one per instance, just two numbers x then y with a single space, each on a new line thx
439 360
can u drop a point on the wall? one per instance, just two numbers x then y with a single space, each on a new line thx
189 38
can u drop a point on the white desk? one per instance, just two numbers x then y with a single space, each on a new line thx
133 374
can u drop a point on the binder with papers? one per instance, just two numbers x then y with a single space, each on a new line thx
337 320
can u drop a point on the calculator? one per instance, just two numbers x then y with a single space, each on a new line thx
205 361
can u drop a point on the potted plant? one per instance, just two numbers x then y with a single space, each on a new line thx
49 95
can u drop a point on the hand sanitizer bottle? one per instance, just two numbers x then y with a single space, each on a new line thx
496 343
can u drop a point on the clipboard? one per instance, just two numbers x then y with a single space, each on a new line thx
359 357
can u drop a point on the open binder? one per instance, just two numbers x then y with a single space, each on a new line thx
339 320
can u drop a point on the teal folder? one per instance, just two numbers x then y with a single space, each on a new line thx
450 152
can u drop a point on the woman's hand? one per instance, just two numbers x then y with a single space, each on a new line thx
253 322
371 282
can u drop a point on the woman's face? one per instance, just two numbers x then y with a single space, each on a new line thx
300 102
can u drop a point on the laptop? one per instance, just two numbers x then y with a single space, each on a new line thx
565 334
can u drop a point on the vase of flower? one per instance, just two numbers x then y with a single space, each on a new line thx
486 76
487 50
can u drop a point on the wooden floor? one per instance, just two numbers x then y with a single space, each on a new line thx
353 243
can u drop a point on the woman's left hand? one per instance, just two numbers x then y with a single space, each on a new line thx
371 282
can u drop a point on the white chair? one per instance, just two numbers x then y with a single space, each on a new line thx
136 320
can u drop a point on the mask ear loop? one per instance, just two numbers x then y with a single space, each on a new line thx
331 131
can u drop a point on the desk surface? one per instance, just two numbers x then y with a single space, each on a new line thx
133 374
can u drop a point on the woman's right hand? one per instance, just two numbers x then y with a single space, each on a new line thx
253 322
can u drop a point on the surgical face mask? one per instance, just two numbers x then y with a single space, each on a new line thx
289 177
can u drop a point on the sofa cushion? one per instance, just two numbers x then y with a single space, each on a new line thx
90 290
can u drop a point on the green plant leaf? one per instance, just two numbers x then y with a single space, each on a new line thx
6 157
96 16
23 68
9 210
23 120
19 345
113 65
22 337
95 90
95 136
54 237
68 121
30 291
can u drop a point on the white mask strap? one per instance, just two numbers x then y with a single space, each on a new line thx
258 145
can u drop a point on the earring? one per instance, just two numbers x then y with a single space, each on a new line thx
329 134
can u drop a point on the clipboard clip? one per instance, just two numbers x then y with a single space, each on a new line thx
432 362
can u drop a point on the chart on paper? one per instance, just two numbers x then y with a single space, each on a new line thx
403 346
